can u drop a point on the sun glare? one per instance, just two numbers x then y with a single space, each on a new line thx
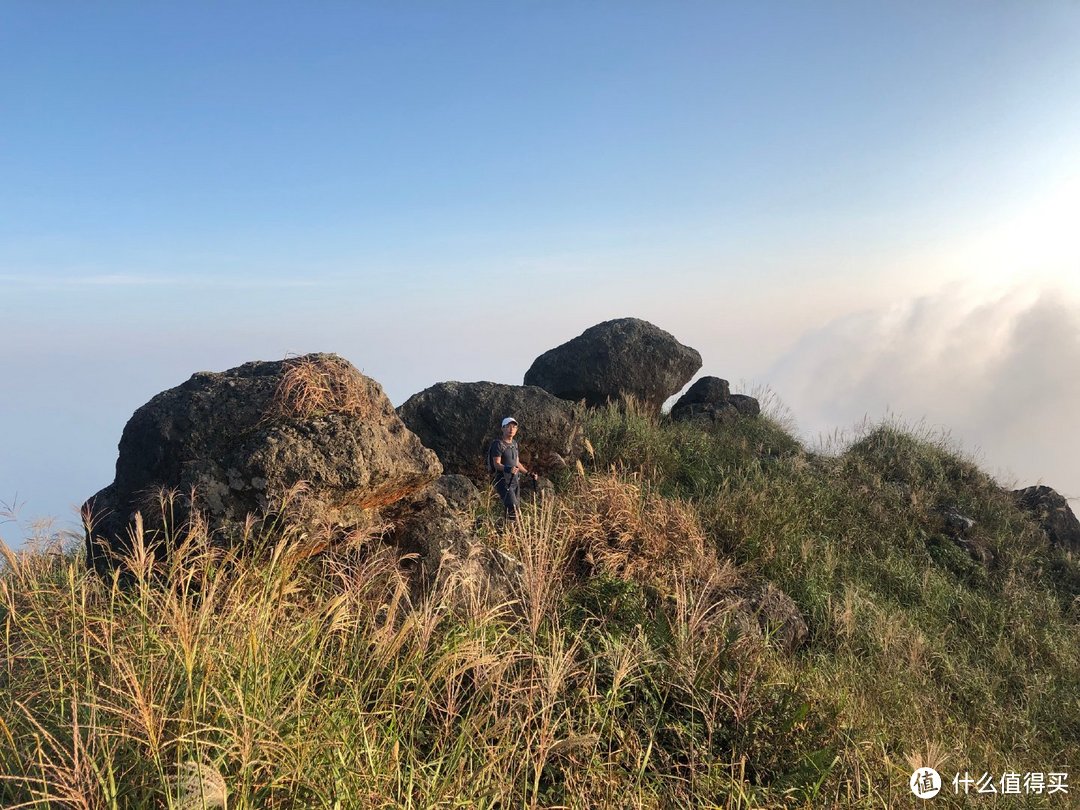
1036 244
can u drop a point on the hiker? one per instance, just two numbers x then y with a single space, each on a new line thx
504 466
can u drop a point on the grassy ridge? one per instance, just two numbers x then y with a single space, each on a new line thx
625 673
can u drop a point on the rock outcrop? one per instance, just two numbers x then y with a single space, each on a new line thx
614 360
710 400
437 545
778 615
236 443
459 491
963 531
1052 512
459 420
765 610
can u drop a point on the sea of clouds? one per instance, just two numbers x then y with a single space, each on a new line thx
996 373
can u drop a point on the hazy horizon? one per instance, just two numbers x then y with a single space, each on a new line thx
867 208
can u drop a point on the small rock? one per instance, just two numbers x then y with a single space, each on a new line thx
710 400
767 610
956 523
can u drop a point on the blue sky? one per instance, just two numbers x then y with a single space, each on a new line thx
788 187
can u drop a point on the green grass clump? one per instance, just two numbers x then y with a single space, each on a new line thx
682 459
629 667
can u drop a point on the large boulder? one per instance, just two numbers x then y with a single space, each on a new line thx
459 420
310 429
710 400
1052 512
614 360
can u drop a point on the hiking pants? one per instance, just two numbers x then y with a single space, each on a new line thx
509 493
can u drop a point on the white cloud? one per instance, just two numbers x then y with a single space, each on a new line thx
998 373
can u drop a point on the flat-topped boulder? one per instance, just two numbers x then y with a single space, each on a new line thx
614 360
236 443
458 420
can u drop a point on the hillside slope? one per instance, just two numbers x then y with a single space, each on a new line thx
642 664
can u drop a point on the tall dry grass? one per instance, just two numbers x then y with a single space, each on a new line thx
276 679
324 383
